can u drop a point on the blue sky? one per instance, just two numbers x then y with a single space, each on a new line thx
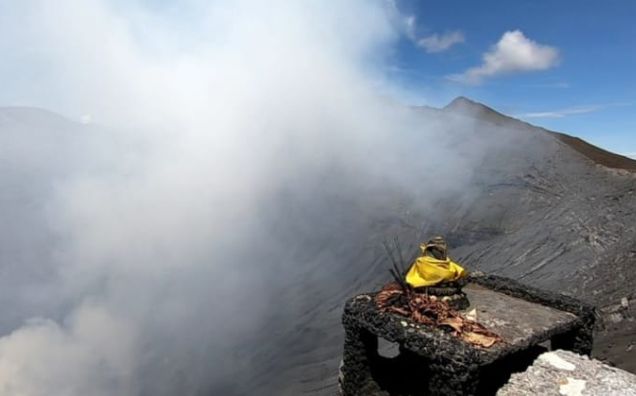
582 82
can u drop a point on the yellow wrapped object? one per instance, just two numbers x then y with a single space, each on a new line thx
429 271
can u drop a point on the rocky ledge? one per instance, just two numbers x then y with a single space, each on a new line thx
560 373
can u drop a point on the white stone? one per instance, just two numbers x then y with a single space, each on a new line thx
573 387
590 377
557 361
616 317
624 302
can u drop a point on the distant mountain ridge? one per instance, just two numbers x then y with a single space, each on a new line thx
600 156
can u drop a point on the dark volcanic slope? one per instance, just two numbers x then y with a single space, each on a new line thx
565 219
597 154
548 210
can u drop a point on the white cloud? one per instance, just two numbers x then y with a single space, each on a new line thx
514 53
92 354
438 43
571 110
86 119
562 112
561 85
404 23
433 43
409 26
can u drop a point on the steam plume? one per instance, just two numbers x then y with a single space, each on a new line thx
236 142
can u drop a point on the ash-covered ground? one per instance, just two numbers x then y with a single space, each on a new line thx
544 208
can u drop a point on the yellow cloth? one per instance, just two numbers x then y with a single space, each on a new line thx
429 271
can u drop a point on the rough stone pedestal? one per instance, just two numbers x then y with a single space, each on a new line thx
434 362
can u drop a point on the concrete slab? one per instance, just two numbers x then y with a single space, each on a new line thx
519 322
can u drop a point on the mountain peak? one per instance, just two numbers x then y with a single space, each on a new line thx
468 107
462 101
464 104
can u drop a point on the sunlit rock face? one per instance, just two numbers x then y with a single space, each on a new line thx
561 373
